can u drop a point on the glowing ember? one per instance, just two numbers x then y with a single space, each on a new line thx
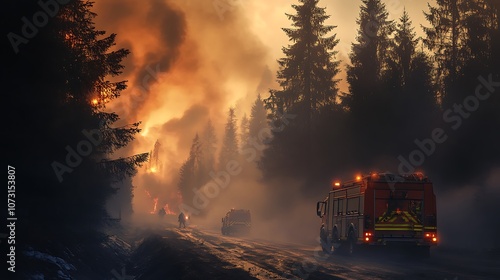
95 101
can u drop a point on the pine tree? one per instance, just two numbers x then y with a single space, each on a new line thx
411 73
307 72
229 150
411 98
189 175
244 131
258 118
446 39
403 51
369 56
209 147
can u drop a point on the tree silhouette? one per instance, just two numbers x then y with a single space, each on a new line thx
229 149
190 178
307 72
368 57
244 131
446 38
209 147
60 100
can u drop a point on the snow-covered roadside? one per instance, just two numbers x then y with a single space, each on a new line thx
89 259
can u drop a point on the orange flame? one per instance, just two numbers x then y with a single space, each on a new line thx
167 210
154 207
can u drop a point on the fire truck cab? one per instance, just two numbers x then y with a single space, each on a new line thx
379 209
236 222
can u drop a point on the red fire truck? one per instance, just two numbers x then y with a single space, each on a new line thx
379 209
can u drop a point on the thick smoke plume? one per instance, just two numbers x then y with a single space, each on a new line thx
187 65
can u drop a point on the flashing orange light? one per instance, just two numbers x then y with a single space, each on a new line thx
358 178
337 184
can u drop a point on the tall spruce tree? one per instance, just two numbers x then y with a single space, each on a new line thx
307 95
403 51
209 147
307 72
369 57
244 131
190 176
412 99
258 118
446 38
229 149
370 100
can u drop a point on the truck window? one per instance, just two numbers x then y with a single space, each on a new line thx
341 207
353 205
334 207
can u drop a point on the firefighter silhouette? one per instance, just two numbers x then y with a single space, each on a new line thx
162 213
182 220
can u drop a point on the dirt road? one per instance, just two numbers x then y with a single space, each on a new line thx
198 253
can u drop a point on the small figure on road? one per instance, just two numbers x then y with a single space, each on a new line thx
162 213
182 220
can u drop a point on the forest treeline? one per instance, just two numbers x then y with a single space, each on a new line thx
402 90
426 104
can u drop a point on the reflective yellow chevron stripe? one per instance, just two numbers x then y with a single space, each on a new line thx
410 216
430 227
396 229
397 225
405 215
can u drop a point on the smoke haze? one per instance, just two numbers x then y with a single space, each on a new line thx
190 62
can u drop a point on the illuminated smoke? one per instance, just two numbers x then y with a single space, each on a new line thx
186 66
